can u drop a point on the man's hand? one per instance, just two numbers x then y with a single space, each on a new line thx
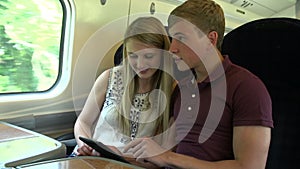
144 164
146 150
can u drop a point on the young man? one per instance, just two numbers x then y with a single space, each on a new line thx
223 113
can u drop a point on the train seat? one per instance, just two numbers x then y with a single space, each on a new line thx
270 49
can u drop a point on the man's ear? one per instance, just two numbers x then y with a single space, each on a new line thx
213 37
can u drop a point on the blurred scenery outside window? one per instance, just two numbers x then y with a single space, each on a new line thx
30 37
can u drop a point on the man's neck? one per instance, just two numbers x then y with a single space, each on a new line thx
203 71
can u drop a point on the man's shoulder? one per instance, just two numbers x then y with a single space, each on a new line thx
239 72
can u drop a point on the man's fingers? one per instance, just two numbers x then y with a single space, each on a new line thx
136 148
132 144
137 152
141 160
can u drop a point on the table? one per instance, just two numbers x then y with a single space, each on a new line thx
81 162
21 146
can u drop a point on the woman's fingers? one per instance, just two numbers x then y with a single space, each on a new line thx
85 150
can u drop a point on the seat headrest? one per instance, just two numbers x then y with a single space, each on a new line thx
265 46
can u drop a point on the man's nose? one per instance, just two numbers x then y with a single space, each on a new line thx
174 46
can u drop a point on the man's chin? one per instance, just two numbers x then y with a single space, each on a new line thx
183 68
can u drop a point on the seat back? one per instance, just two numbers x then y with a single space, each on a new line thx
270 49
118 57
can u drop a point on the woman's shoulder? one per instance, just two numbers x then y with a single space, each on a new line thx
111 77
103 80
117 74
103 76
117 70
106 74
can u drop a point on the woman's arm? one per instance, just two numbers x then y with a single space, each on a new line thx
91 112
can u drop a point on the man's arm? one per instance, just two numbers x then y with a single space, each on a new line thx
250 146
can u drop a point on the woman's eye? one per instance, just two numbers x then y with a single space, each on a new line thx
132 55
149 55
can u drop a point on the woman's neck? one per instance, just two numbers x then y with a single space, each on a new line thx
145 85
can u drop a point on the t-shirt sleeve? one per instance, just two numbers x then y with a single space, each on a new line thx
252 104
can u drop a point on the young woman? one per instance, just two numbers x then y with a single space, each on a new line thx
131 100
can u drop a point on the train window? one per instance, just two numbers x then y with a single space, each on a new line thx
31 34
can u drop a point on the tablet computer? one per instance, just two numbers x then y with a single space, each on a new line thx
103 149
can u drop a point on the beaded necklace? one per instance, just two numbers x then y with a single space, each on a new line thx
140 103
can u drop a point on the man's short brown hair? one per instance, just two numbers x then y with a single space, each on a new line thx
204 14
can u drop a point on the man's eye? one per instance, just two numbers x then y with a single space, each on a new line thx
177 38
180 38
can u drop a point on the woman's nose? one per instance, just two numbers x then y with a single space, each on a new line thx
140 63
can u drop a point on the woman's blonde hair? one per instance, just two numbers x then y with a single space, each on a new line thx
150 31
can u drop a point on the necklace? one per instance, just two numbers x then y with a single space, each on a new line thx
140 103
134 123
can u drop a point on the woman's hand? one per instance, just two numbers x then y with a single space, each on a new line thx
84 150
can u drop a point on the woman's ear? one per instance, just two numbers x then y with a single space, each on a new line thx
213 37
